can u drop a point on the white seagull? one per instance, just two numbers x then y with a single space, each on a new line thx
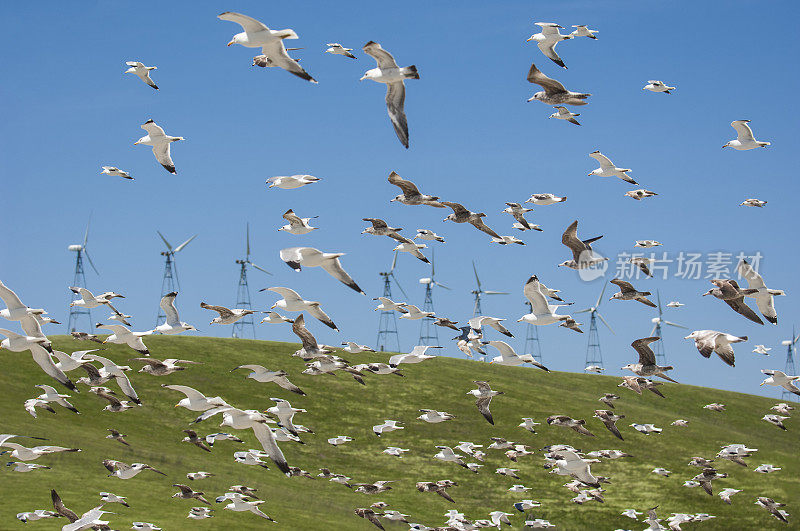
508 356
744 139
160 142
296 257
289 182
337 49
141 71
759 291
173 324
293 302
654 85
581 30
542 313
297 225
121 335
547 40
608 169
116 172
562 113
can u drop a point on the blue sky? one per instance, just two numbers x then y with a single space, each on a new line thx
70 109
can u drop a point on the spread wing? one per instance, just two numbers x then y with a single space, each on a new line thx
483 407
293 256
292 218
571 240
60 508
483 227
381 56
278 55
248 24
43 359
459 209
408 188
747 272
334 268
288 294
10 298
162 154
377 223
738 305
646 354
322 317
604 161
268 443
395 106
743 131
190 392
223 312
623 286
550 86
534 294
306 337
153 130
168 305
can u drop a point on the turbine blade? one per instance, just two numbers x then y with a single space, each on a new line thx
169 247
583 311
433 263
675 324
439 284
184 244
90 261
86 234
658 296
394 261
600 298
175 272
496 293
398 285
248 242
653 331
605 323
478 280
259 268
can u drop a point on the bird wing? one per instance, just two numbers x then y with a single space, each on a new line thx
612 427
248 24
306 337
459 209
738 305
190 392
754 280
377 223
60 508
10 298
31 326
483 227
381 56
279 56
334 268
288 294
623 286
153 130
268 443
168 305
293 256
550 86
321 316
743 131
483 407
534 294
43 360
548 48
292 218
705 344
395 106
408 188
571 240
223 312
161 151
604 161
646 354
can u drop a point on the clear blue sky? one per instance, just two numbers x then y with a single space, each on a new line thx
68 109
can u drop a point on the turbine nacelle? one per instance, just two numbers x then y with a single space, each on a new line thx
76 248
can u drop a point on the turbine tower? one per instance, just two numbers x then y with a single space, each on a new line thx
170 281
532 345
429 332
791 350
594 356
79 280
480 291
243 292
387 321
661 357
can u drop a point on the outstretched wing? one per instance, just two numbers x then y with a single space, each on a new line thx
550 86
395 106
646 354
168 305
381 56
248 24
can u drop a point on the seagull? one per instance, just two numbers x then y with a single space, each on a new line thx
753 203
643 264
425 234
124 471
773 508
200 513
257 35
296 257
759 291
483 395
508 356
462 215
393 76
675 304
706 477
89 301
160 142
782 408
608 399
117 436
582 254
547 40
435 486
414 249
640 194
285 413
15 310
112 370
173 324
581 30
647 243
545 199
195 400
239 504
25 467
766 469
518 211
141 71
263 375
51 395
631 513
191 437
542 313
289 182
211 438
447 455
654 85
297 225
337 49
161 368
199 475
293 302
31 404
778 378
339 440
569 422
369 515
609 419
32 516
417 355
23 453
554 92
744 137
185 492
83 336
646 429
681 423
569 463
708 341
715 407
434 417
562 113
728 290
116 172
597 369
226 315
647 365
387 426
628 293
411 194
275 318
115 405
145 526
355 348
395 451
608 169
381 228
123 336
413 313
476 323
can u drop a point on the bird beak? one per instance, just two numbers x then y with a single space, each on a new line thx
529 39
104 341
762 383
176 405
362 78
232 41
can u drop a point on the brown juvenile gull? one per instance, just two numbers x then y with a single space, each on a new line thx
554 92
191 437
436 486
161 368
628 293
117 436
226 315
609 419
647 360
296 257
642 263
411 194
462 215
393 77
608 399
582 254
186 493
728 290
640 194
773 507
381 228
483 395
708 341
369 515
569 422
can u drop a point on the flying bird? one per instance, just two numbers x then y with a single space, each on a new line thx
554 92
160 143
141 71
547 40
608 169
296 257
744 137
708 341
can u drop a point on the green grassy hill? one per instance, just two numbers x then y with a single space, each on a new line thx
339 406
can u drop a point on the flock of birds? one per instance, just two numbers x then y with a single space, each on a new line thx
276 424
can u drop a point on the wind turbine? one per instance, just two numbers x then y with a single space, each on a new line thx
480 291
79 280
594 355
243 290
428 332
657 322
791 350
387 321
170 278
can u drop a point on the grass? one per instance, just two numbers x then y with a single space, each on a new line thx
339 406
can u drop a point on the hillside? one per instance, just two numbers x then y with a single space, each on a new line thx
339 406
